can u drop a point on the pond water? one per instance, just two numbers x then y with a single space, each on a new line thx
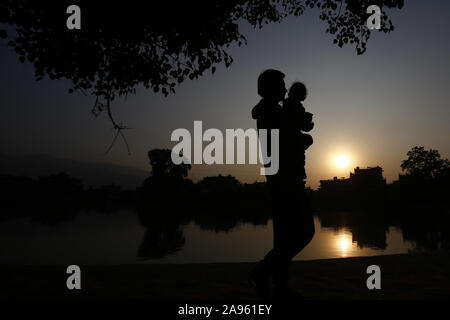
93 238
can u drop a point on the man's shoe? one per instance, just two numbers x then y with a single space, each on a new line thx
260 283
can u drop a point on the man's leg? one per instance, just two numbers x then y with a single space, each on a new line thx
260 274
295 231
276 263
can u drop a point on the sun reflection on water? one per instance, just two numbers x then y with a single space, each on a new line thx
343 243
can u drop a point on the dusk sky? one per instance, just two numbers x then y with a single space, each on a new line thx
372 108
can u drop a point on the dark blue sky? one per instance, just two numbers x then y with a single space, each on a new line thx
372 108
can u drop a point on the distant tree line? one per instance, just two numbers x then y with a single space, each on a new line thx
425 183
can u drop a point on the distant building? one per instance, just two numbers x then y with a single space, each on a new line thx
364 187
334 184
371 177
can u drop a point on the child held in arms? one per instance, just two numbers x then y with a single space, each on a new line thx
300 121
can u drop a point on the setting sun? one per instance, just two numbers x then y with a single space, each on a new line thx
342 161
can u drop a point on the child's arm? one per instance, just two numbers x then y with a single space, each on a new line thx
307 141
307 123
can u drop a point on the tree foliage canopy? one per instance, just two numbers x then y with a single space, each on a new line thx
163 166
424 163
158 43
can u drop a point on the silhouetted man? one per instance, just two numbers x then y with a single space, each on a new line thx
293 224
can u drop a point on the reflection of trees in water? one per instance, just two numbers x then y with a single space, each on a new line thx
57 198
368 236
51 214
163 222
226 218
48 200
160 241
225 210
428 229
165 216
216 221
367 230
54 215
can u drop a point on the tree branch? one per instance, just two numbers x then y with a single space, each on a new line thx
118 127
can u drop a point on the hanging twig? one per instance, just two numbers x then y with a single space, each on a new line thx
94 108
112 143
118 127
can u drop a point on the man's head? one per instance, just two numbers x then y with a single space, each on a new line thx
298 91
271 85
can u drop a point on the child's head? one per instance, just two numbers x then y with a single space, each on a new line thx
298 91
